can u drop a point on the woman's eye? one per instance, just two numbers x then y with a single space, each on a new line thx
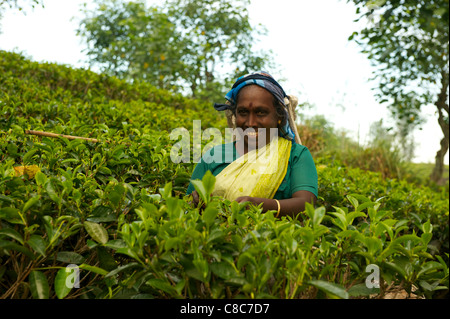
261 113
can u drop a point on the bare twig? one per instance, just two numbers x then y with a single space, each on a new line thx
70 137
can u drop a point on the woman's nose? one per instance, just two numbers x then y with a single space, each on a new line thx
252 120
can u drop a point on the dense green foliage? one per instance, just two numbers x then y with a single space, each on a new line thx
199 46
408 43
117 209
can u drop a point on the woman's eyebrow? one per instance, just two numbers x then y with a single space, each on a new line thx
257 108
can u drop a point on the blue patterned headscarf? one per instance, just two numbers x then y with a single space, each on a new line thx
267 82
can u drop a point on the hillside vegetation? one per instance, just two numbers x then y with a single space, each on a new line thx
115 210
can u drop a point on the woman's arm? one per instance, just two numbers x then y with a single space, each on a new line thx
291 206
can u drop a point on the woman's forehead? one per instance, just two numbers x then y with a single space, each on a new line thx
255 92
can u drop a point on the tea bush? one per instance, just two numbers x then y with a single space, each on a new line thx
116 212
381 154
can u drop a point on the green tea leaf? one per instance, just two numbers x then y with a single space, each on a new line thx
129 252
97 232
121 268
360 198
223 270
215 235
171 243
62 284
180 285
12 234
426 238
198 185
405 238
30 203
116 244
330 288
319 214
373 245
68 185
428 267
354 201
104 170
309 210
364 206
38 285
166 192
203 267
162 285
244 259
351 216
40 178
7 199
362 290
106 259
116 195
427 227
208 182
38 244
52 193
69 160
307 236
7 245
396 267
12 215
29 154
94 269
340 221
173 208
209 214
70 257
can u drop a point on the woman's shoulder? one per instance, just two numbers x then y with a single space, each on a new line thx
299 153
298 149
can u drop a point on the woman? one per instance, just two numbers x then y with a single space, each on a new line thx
265 165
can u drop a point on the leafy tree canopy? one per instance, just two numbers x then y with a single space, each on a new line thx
408 42
198 47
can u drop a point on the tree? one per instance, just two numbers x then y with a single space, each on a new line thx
408 43
218 36
131 41
196 46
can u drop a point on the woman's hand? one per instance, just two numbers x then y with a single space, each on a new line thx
252 200
196 201
291 206
195 198
245 199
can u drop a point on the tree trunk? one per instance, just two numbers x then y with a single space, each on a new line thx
438 170
442 107
194 88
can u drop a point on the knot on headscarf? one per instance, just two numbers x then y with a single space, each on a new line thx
266 81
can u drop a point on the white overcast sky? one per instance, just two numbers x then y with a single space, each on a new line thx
309 39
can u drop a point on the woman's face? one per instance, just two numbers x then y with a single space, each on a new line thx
256 113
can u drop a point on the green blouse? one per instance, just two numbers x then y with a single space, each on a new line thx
301 172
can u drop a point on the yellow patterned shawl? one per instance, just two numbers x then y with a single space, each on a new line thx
258 173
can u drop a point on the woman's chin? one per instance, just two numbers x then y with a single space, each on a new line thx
253 142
